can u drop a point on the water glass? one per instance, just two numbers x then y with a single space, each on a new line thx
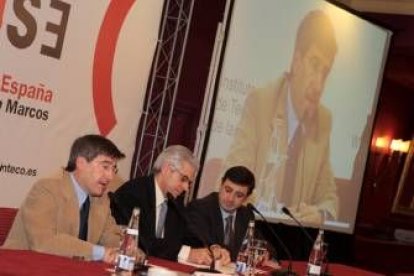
258 251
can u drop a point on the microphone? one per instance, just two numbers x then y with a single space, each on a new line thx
212 268
289 270
287 212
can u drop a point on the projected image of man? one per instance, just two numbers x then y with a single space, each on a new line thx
284 131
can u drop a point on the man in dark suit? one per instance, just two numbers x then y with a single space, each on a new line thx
221 218
160 197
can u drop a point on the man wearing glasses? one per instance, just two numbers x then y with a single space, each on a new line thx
68 214
160 196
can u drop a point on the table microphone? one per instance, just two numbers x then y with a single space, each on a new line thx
287 212
289 270
212 268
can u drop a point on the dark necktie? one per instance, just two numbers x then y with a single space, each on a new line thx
161 219
228 232
83 222
294 149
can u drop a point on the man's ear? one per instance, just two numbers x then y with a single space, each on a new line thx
165 168
81 162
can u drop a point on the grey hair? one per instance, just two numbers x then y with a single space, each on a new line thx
175 156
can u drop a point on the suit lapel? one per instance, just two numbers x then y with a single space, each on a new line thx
96 213
218 219
71 207
239 232
150 201
97 217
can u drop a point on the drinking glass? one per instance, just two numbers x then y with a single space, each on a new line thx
123 229
258 251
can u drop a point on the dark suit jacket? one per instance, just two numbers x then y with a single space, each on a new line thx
140 193
206 222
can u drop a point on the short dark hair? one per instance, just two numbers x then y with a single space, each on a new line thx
242 176
89 147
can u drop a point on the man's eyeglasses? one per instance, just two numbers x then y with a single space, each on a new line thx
108 166
184 177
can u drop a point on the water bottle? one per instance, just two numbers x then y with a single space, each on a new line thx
129 246
317 256
244 262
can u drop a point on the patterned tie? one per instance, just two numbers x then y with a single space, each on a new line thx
83 220
228 231
161 219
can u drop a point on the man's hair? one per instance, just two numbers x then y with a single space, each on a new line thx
242 176
89 147
316 29
175 156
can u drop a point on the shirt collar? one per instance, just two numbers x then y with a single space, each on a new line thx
225 214
81 195
159 196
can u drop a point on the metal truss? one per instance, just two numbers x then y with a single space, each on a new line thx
155 121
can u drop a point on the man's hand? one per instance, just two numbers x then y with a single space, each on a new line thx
309 214
220 254
140 257
110 255
225 257
200 256
271 263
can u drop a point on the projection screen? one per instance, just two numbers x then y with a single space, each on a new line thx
265 90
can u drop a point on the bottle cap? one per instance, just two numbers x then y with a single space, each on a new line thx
136 211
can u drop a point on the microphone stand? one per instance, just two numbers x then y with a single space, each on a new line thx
325 271
289 271
287 212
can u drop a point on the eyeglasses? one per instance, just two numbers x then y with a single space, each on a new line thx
108 166
184 177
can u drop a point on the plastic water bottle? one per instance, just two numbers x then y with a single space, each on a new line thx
244 262
317 256
129 246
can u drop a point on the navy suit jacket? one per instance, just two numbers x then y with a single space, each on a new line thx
206 222
140 193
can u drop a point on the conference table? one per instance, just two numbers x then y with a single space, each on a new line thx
25 262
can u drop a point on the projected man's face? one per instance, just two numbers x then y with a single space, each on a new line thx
307 80
232 195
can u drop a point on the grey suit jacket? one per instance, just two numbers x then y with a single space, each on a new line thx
48 221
